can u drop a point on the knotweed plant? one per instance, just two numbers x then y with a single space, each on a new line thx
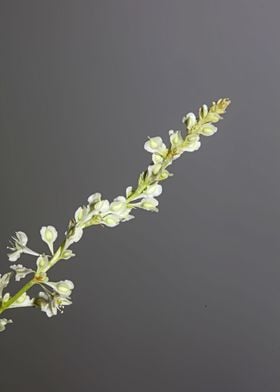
52 297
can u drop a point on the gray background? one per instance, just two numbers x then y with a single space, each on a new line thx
183 300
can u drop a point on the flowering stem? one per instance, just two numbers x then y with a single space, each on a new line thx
23 290
56 257
35 280
90 215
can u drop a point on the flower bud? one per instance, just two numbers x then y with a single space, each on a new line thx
49 235
111 220
208 129
189 120
155 144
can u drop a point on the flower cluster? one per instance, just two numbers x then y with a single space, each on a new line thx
99 211
56 294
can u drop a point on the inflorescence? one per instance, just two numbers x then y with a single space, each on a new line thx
54 296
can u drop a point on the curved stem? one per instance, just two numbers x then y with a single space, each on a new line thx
213 115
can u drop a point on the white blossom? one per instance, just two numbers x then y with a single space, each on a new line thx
119 206
175 138
23 301
94 198
51 303
75 236
176 141
63 288
19 246
128 191
101 207
153 190
155 144
6 298
3 323
204 111
149 204
82 215
21 271
97 205
67 254
208 129
157 158
4 281
111 220
49 235
192 143
189 120
42 263
153 170
119 212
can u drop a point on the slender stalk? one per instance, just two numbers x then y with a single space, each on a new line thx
146 179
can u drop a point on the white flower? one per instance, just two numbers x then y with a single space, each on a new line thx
49 235
153 190
120 210
192 143
97 205
165 174
155 144
4 281
111 220
51 303
101 207
128 191
175 138
63 288
75 236
153 170
189 120
6 298
208 129
67 254
82 215
21 271
94 198
3 323
42 263
149 204
23 301
19 246
157 158
176 141
203 111
118 205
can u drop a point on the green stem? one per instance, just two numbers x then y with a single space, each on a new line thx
23 290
